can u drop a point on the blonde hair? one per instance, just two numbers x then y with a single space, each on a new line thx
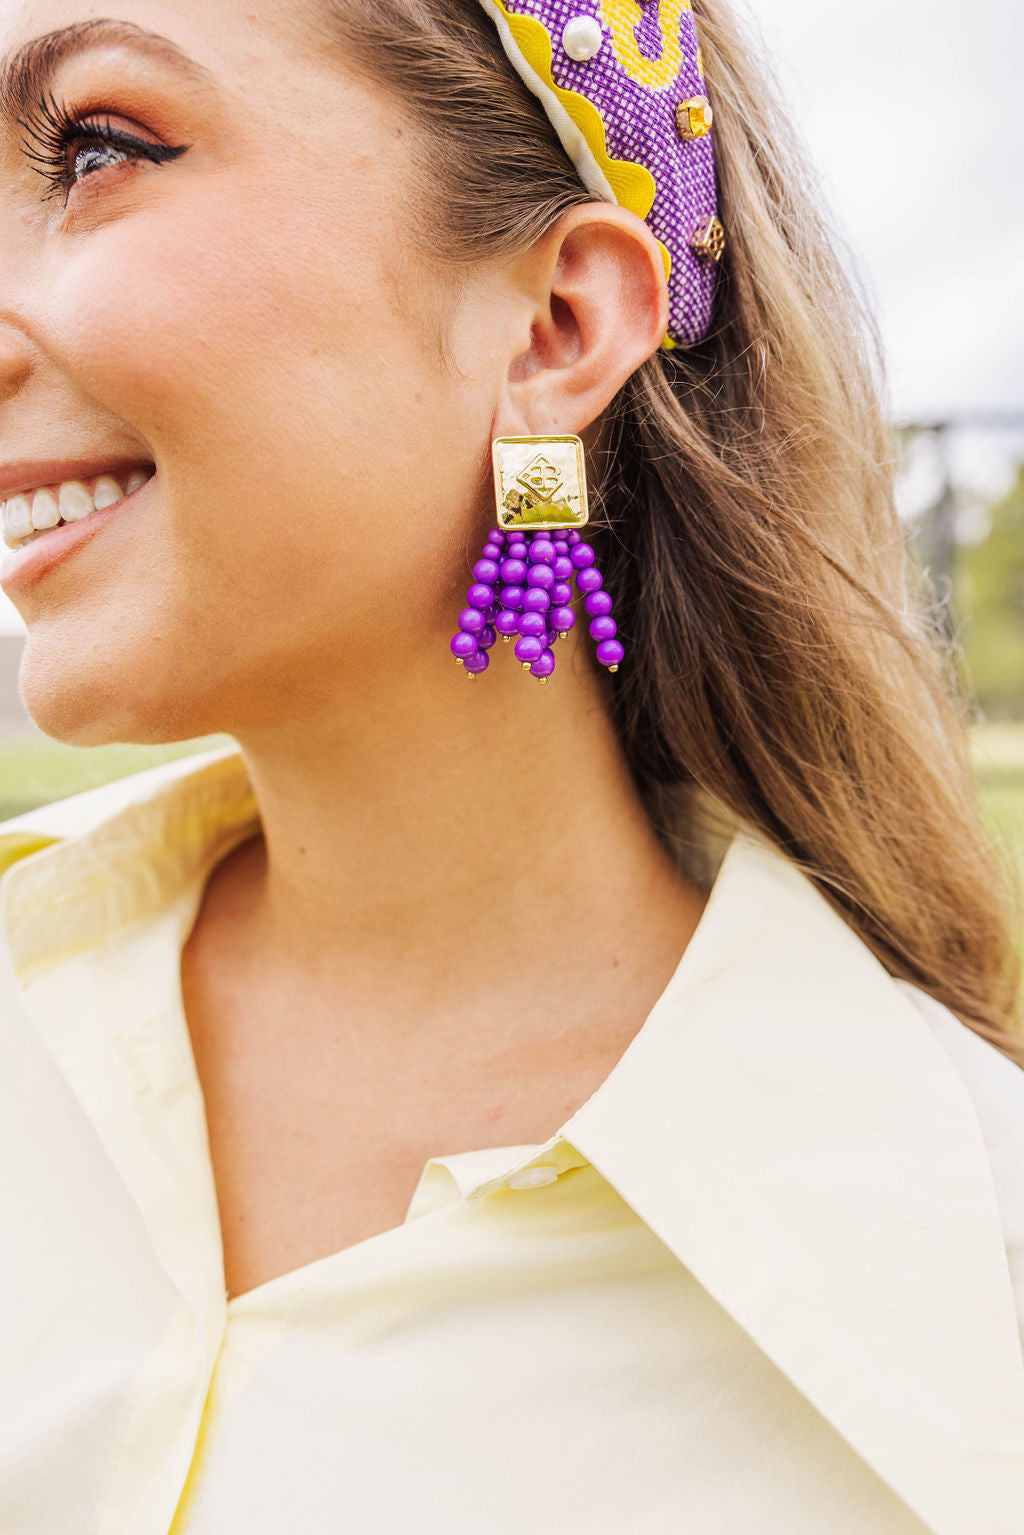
783 658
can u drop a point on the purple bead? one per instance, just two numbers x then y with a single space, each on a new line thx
486 571
491 613
572 538
480 596
544 665
587 580
563 567
610 652
561 618
561 548
513 572
507 622
471 620
530 648
551 638
516 549
512 597
540 575
488 636
603 628
464 645
533 623
496 536
561 594
597 603
492 551
536 600
477 663
582 556
542 551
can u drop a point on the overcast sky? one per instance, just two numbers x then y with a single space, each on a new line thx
913 115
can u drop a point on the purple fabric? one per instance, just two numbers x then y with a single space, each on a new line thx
639 122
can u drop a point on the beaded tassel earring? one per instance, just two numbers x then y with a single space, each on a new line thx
522 581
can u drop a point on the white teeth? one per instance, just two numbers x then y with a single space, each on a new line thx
17 518
45 513
25 516
106 491
74 501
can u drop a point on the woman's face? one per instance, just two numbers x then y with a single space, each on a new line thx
251 316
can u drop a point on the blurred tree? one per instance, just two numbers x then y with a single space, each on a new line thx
988 596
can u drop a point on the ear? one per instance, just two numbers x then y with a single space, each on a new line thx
596 303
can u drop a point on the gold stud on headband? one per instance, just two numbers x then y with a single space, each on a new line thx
708 239
693 118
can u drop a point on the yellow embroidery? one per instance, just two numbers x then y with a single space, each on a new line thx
623 17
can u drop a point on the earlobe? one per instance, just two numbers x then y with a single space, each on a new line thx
601 311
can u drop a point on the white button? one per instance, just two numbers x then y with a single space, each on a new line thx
582 38
532 1177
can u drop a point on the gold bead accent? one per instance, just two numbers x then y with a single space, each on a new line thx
613 668
563 634
526 665
693 118
708 239
471 675
542 679
507 638
458 660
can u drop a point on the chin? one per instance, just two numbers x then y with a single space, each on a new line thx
90 701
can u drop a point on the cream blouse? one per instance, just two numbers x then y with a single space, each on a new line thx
769 1278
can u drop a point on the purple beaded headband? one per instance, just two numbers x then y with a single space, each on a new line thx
623 85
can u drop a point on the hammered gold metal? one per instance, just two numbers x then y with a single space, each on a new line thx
693 118
708 239
539 482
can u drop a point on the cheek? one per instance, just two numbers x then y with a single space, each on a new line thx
243 352
167 314
316 464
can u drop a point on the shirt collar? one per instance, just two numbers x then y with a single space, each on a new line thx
117 854
785 1121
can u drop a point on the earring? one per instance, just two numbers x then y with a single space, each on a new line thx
521 587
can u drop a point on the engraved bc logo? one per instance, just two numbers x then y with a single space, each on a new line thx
541 478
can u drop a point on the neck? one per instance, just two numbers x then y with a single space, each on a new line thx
422 837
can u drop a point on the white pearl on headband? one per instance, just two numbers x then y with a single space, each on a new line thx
582 38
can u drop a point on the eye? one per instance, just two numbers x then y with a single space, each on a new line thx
65 150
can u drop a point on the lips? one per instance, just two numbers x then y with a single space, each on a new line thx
29 514
21 476
39 551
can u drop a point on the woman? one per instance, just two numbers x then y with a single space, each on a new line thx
511 1096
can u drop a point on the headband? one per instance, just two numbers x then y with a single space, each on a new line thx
622 83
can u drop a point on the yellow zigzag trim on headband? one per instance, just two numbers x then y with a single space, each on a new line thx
576 120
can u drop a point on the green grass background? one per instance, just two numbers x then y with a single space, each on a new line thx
34 771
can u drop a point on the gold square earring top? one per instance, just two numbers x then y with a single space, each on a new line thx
540 482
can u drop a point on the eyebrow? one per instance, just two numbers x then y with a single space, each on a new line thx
25 75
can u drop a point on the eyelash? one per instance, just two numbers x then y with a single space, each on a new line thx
53 131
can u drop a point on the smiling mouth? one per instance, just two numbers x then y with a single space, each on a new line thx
28 515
